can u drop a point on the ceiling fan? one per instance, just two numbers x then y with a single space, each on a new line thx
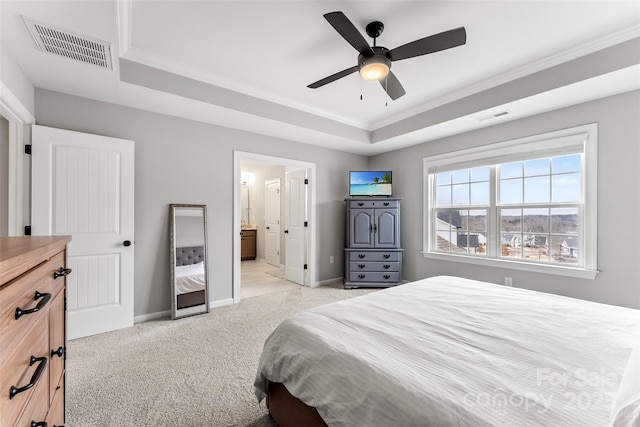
374 62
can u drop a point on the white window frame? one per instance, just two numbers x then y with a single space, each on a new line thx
551 143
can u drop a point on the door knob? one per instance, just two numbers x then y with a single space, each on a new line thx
127 243
267 228
286 231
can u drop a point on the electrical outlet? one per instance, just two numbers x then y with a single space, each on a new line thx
508 281
332 260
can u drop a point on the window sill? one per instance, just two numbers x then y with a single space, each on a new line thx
581 273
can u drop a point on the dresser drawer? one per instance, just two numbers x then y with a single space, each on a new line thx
55 417
355 256
374 266
20 370
57 343
21 294
368 204
381 277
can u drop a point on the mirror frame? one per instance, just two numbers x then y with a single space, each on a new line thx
174 296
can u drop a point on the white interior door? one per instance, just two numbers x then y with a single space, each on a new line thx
83 185
272 227
295 216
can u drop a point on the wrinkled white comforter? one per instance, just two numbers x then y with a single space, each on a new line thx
447 351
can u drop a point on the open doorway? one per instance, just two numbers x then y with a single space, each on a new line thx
274 200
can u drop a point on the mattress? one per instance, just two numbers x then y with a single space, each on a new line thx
447 351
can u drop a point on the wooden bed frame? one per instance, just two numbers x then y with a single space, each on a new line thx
288 411
187 256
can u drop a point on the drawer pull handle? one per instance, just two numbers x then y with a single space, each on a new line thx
42 303
361 256
361 265
34 379
386 276
39 424
387 266
361 276
387 256
62 272
386 203
360 204
59 352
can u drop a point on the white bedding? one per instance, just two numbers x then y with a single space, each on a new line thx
189 278
447 351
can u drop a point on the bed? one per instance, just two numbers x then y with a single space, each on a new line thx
448 351
190 276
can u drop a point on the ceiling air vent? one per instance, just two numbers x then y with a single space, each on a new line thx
72 45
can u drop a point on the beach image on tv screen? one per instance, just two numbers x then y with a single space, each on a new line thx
376 183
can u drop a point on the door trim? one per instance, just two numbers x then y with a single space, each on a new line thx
310 277
19 119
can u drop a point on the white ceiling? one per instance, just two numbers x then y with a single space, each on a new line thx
257 57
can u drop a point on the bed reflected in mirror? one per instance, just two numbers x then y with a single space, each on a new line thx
189 275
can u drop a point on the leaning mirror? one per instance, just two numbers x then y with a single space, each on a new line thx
189 275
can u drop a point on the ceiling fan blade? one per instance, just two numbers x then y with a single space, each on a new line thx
392 85
334 77
349 32
430 44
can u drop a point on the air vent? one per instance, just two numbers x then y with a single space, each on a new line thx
72 45
493 116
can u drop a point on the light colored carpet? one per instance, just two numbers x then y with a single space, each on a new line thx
196 371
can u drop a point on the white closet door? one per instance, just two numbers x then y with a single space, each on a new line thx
83 186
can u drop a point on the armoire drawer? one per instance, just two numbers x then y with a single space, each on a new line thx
374 266
369 204
374 276
355 256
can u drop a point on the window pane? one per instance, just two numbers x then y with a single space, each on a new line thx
536 220
480 193
564 220
511 170
511 191
480 174
443 196
464 220
535 248
572 163
536 190
478 220
460 176
460 194
511 245
566 187
443 178
510 220
536 167
564 249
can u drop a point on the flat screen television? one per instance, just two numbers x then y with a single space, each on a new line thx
370 183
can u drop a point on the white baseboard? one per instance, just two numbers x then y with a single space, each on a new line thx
152 316
327 282
167 313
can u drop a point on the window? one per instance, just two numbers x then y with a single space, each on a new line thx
528 204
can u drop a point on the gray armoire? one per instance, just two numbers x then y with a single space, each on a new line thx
373 257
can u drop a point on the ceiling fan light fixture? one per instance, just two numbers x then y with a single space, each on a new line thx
374 67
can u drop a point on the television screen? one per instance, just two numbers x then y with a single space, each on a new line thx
370 183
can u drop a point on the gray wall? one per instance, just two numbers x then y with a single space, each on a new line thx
172 154
618 200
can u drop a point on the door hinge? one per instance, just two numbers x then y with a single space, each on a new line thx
306 224
27 230
306 180
305 266
27 149
65 303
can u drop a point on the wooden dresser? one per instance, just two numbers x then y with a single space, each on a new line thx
32 330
